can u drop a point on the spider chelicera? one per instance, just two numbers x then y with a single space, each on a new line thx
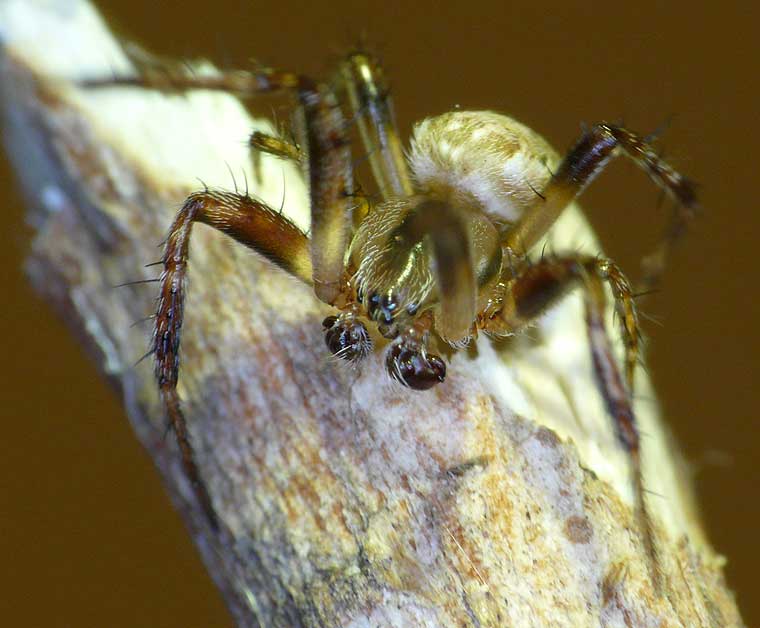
442 254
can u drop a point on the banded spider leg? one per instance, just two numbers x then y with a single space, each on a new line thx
318 261
526 292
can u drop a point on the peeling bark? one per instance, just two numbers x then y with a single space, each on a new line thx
500 498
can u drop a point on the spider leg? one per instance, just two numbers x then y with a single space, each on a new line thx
360 76
172 77
327 147
331 188
618 402
363 79
275 146
535 287
532 289
249 222
581 165
319 261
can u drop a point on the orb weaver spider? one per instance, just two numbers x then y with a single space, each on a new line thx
443 253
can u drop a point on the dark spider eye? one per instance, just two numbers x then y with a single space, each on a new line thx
414 368
381 307
346 337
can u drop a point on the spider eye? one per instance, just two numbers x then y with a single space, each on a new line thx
413 367
346 337
382 307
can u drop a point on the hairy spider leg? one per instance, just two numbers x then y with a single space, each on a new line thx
319 261
331 189
579 168
534 289
275 146
530 290
326 145
363 80
251 223
616 395
359 76
286 148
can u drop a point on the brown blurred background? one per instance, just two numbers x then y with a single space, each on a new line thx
87 536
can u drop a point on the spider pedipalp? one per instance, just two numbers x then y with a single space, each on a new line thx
347 337
409 363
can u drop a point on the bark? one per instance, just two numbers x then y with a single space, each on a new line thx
500 498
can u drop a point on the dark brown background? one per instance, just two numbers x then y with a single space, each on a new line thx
87 537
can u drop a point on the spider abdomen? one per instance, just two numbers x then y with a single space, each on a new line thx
481 158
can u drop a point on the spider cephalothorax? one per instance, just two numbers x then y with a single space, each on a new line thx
442 254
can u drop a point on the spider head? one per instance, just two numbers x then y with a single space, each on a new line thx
347 337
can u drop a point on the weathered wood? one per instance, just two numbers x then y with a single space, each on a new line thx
498 498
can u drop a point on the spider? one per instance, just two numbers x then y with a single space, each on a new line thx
441 255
